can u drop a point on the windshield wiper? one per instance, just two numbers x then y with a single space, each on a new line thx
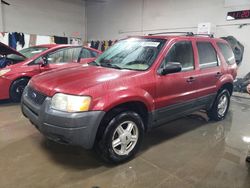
93 63
106 63
109 65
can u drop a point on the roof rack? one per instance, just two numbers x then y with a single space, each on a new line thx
183 33
162 33
206 35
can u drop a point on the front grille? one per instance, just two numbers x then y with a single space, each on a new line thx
35 96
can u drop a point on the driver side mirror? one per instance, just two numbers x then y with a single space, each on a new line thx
44 62
171 67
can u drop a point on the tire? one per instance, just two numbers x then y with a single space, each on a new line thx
16 89
127 142
220 107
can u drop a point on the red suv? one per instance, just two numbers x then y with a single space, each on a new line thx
16 68
138 84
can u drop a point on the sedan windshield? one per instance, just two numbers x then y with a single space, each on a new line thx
27 52
132 54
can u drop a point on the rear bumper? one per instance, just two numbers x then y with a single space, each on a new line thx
67 128
4 88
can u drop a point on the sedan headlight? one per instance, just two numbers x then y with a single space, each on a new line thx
70 103
4 71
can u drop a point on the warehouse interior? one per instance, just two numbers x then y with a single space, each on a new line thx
191 151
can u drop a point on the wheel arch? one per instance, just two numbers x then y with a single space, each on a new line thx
21 77
228 86
136 106
16 79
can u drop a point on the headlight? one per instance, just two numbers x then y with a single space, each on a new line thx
4 71
70 103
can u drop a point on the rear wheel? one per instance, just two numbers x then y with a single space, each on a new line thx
220 107
122 137
16 89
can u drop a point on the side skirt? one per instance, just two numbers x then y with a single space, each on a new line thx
169 113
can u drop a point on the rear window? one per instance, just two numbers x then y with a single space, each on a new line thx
227 53
207 55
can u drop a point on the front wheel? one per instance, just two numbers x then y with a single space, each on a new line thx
122 138
220 107
16 89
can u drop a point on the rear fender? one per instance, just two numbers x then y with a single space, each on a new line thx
227 78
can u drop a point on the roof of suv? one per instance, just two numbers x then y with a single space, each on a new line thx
169 37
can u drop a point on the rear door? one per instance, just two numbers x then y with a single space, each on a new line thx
209 71
176 91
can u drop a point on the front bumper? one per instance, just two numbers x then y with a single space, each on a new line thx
67 128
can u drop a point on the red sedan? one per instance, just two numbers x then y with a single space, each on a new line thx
16 68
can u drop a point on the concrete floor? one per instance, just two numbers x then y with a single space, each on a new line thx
189 152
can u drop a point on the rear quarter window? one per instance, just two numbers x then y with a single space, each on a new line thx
227 53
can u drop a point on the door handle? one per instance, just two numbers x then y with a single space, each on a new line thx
218 75
190 79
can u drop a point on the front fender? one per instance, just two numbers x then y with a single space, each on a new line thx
112 99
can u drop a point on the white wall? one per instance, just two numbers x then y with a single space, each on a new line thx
44 17
114 19
1 18
106 19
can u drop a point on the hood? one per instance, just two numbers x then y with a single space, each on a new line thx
76 80
6 50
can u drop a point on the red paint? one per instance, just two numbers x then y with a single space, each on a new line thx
23 69
110 87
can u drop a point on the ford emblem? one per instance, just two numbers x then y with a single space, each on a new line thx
33 95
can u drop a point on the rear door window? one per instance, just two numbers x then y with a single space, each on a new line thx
227 53
207 55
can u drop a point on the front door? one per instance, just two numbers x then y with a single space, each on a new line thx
176 91
62 58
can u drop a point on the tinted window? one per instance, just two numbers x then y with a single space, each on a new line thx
65 55
227 53
207 55
181 52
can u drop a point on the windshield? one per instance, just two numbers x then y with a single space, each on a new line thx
27 52
132 54
32 51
